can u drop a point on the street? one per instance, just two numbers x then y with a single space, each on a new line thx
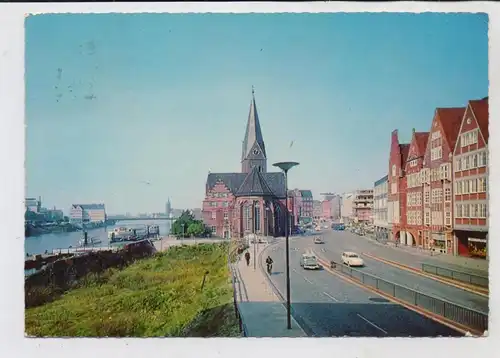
326 306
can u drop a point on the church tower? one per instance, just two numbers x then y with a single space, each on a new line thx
254 150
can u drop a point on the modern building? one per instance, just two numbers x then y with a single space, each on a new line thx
414 189
336 203
437 174
253 201
470 179
363 206
380 222
87 213
306 213
396 197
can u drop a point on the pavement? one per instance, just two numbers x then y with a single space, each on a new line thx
263 313
327 306
415 257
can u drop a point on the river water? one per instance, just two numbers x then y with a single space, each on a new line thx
38 244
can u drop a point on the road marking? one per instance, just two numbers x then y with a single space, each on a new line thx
305 278
371 323
333 298
440 319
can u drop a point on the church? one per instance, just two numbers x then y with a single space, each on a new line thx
252 201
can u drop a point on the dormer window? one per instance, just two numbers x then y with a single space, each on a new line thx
394 170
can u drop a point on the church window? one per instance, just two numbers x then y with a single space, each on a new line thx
247 218
257 217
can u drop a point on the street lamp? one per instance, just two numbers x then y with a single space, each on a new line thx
182 237
285 167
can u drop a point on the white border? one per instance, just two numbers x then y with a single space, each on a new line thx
12 341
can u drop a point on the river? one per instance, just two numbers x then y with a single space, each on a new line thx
39 244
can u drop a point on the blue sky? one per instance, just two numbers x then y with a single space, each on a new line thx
116 99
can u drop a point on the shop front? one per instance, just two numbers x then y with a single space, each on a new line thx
472 244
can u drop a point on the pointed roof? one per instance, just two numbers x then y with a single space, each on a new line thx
253 133
234 181
405 150
481 112
254 185
421 142
450 119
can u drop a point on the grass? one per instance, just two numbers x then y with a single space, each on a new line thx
154 297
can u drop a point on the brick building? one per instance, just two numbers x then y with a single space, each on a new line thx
396 197
414 188
252 201
470 177
437 179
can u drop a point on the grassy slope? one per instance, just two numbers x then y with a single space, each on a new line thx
159 296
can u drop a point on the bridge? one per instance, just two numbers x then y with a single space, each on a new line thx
133 218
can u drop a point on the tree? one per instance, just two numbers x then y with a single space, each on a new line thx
196 228
181 225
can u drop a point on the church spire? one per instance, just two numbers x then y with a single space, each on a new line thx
253 151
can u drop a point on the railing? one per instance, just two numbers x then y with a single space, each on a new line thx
461 276
473 319
233 283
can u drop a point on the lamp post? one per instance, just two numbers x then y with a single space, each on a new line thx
182 237
285 167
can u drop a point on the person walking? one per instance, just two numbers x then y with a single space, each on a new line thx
247 258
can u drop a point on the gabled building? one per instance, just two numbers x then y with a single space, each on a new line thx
396 197
437 179
470 177
252 201
414 188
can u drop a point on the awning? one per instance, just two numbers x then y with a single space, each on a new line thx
473 239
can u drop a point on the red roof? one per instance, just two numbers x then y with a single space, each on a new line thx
405 150
451 119
421 139
481 112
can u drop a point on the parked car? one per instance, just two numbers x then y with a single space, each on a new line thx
352 259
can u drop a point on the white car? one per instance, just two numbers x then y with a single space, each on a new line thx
352 259
318 240
309 262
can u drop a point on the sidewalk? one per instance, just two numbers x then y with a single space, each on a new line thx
458 263
261 310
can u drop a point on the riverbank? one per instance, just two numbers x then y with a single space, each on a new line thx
160 296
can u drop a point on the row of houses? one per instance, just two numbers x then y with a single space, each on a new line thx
435 194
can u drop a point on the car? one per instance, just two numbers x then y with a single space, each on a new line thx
318 240
352 259
308 261
262 241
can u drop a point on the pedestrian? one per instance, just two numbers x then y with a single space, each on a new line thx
247 258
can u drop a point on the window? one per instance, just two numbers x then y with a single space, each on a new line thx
214 229
473 185
247 218
447 218
426 197
394 188
226 215
436 153
482 159
225 204
436 135
214 215
458 210
447 194
481 185
466 211
458 164
473 210
213 204
469 138
427 218
474 161
482 211
419 199
465 187
393 170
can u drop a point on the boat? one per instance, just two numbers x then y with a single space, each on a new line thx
119 234
90 242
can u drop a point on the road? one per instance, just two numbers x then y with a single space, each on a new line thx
338 241
326 306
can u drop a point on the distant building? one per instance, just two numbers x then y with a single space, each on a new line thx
87 213
380 223
346 208
33 204
317 210
336 203
168 208
363 206
54 215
